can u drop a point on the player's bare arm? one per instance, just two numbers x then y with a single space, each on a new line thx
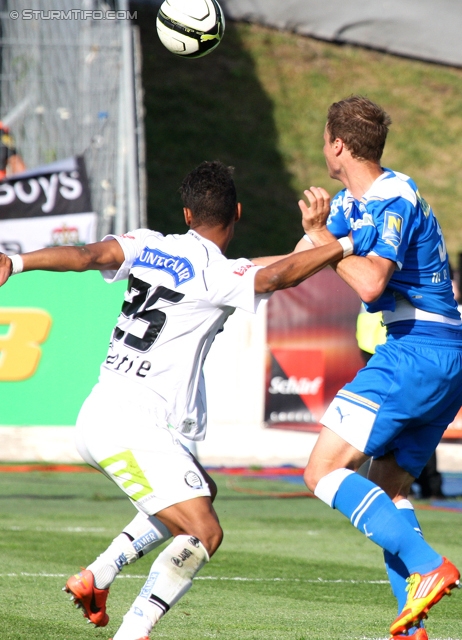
96 256
367 275
296 267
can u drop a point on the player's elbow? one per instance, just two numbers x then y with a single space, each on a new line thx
267 281
370 292
85 258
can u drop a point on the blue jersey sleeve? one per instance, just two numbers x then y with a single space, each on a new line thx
391 231
338 221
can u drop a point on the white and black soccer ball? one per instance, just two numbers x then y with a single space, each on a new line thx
190 28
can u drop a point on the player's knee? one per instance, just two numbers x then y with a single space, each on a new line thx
207 530
213 538
311 477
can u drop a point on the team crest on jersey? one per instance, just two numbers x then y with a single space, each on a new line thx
392 228
193 480
179 268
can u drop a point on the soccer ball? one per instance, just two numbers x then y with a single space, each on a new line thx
190 28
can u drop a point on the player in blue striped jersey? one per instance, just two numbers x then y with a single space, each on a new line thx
397 407
393 221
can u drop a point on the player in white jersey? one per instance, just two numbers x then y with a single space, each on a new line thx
397 407
150 393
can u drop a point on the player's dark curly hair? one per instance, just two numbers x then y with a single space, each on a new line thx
361 124
210 193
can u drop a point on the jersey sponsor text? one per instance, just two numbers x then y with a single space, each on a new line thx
179 268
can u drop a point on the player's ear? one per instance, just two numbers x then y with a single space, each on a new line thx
188 216
338 145
238 212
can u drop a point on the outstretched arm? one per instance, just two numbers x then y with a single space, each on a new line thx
97 256
297 267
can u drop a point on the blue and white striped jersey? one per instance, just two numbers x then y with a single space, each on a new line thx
393 221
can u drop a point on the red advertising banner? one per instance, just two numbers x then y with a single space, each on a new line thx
295 390
312 352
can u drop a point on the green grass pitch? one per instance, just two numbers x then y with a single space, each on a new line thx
288 569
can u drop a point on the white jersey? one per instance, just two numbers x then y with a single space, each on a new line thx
181 290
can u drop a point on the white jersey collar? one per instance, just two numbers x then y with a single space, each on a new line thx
211 246
365 197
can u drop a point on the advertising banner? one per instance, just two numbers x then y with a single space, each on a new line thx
54 328
47 206
54 333
295 393
313 352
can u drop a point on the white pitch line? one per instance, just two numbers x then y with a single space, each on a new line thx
215 578
314 581
57 529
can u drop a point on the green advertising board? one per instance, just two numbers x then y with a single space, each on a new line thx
54 334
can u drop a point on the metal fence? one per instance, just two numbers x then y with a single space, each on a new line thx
70 85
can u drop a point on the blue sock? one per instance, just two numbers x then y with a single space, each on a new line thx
372 512
396 570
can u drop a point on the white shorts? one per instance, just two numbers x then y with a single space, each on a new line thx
118 432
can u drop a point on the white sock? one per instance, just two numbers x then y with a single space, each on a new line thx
170 578
146 533
140 536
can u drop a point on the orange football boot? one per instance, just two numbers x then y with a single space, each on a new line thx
87 597
425 590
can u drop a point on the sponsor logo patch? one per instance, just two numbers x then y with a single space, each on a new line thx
184 555
146 590
392 228
121 561
341 415
242 269
179 268
142 542
366 221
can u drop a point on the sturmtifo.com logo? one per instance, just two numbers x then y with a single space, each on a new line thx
72 14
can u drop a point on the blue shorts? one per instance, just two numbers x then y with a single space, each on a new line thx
402 401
